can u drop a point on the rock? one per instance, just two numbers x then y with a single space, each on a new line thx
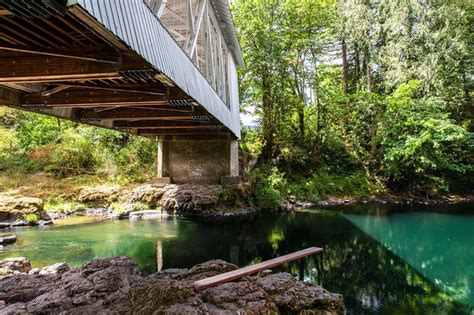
15 265
44 222
147 194
189 198
293 296
5 240
98 196
14 209
96 211
114 285
147 214
57 268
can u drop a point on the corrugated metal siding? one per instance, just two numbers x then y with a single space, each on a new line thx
140 29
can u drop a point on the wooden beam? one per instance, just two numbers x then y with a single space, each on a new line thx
194 32
5 12
24 87
100 98
40 69
56 53
135 114
161 124
91 22
9 97
169 127
54 90
155 91
252 269
157 133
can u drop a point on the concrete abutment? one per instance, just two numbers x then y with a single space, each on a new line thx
194 160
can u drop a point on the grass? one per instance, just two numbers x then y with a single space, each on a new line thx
31 218
43 185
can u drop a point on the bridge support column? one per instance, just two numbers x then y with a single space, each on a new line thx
195 160
233 177
162 163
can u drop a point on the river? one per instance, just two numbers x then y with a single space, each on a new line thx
383 259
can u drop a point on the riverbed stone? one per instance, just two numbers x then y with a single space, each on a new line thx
14 209
114 285
57 268
8 239
100 196
15 265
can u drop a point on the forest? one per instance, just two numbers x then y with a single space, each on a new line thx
358 97
348 98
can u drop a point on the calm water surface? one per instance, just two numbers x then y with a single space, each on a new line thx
383 260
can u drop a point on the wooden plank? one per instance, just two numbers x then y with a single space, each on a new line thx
54 90
85 18
78 97
24 87
155 91
26 68
242 272
57 53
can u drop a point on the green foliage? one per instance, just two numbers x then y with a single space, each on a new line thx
266 197
35 142
326 183
269 184
394 115
72 155
31 218
422 145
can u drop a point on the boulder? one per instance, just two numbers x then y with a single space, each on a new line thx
114 285
16 208
14 265
146 194
98 196
6 240
147 214
58 268
187 198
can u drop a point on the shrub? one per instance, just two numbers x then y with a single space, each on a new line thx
267 197
73 155
31 218
421 144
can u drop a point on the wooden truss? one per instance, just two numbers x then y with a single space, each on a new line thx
194 25
64 64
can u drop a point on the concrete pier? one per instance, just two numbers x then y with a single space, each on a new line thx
194 160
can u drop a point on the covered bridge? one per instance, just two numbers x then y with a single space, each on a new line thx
164 69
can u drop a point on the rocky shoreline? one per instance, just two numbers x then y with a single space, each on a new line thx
108 202
197 201
291 205
114 285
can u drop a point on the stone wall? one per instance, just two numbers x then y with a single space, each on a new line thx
198 161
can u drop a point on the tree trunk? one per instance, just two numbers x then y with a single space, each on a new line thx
267 125
368 71
356 65
345 67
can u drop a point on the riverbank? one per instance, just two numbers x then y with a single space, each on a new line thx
44 200
332 201
40 199
115 285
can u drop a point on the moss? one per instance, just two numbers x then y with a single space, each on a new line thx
31 218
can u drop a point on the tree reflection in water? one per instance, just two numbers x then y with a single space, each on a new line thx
371 278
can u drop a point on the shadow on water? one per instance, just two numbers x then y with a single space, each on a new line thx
373 279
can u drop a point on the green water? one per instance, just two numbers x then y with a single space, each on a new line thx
383 261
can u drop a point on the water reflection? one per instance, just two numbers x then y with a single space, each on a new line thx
439 246
372 278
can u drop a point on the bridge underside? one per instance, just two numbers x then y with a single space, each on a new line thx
60 61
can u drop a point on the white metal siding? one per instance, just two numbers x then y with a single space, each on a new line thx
136 25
